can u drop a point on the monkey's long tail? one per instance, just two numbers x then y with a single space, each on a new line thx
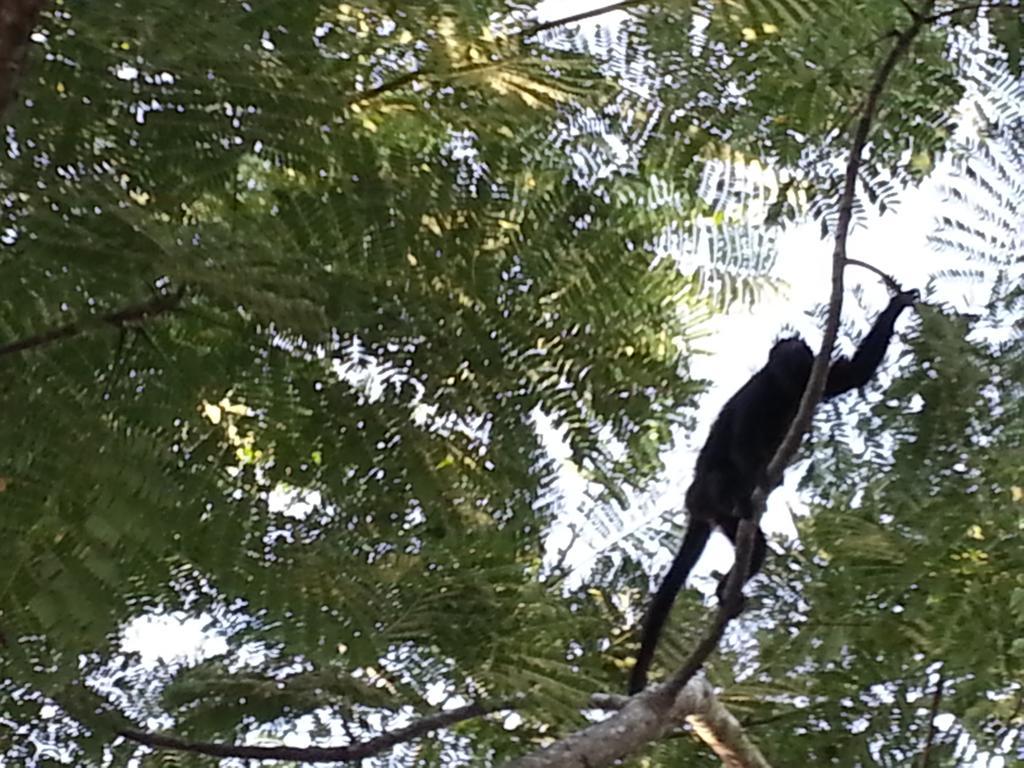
697 534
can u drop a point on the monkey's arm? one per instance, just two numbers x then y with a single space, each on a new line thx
846 374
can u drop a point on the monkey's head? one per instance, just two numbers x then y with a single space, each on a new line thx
791 360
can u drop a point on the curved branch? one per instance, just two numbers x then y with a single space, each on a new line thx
349 752
732 599
135 313
819 371
889 280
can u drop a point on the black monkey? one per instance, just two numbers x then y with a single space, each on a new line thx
742 441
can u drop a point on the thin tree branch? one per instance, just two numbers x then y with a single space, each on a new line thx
932 730
889 281
386 87
349 752
732 598
928 19
582 16
409 77
779 717
624 4
965 8
819 371
135 313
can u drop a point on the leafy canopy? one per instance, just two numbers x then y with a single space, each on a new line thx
284 291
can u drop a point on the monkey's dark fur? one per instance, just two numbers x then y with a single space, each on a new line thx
742 441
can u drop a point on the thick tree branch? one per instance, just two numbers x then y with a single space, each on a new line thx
714 724
17 20
644 718
732 598
135 313
349 752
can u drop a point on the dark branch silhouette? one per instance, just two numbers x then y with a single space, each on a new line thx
407 78
889 281
346 753
135 313
969 7
731 602
933 712
581 16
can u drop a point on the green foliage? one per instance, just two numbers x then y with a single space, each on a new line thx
781 83
383 238
907 566
383 280
983 207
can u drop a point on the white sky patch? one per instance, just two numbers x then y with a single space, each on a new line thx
549 10
168 638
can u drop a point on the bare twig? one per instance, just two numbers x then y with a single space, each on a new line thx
932 714
970 7
889 281
409 77
121 318
582 16
732 597
348 752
